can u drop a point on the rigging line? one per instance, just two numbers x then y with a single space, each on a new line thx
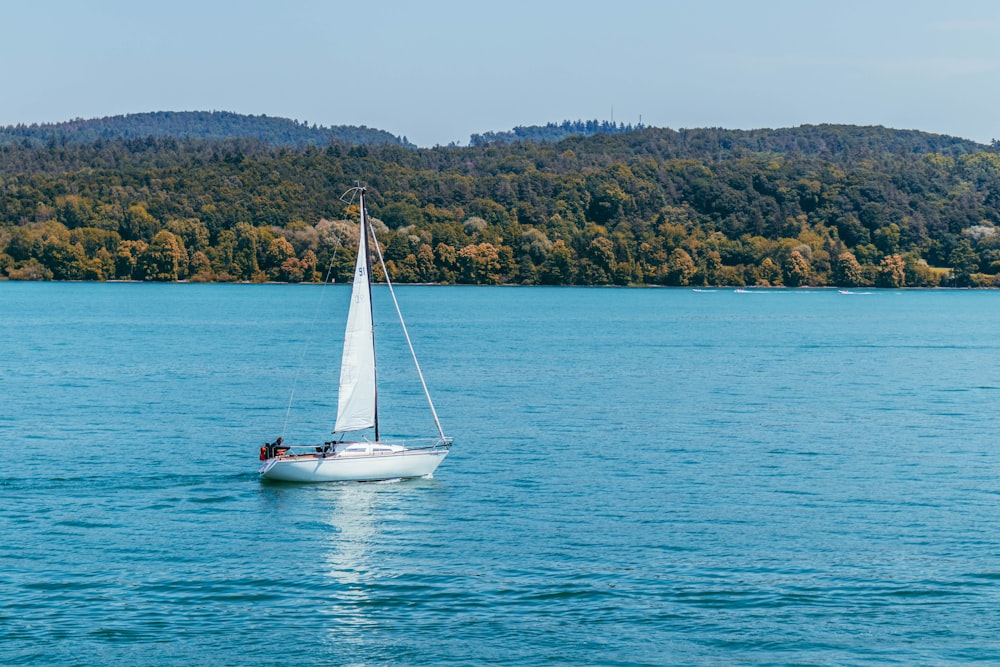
312 328
406 335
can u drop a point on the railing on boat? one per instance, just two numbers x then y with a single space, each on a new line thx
330 447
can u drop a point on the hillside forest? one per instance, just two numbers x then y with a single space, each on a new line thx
809 206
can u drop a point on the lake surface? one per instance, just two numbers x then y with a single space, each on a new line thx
639 477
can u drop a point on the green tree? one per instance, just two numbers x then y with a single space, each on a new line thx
601 252
279 250
244 265
66 261
222 254
23 245
848 271
447 262
796 270
713 267
200 268
964 262
558 268
103 264
139 225
127 257
887 238
768 272
161 260
680 268
426 270
191 231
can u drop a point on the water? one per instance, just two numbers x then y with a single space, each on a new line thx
640 477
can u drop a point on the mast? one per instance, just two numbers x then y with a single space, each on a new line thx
365 228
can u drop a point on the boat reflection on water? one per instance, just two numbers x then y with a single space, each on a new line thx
355 518
352 559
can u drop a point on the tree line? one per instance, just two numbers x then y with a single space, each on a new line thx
194 125
552 132
815 205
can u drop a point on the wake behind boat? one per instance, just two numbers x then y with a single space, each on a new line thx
341 460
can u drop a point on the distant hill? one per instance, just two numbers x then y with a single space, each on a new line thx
196 125
551 132
816 205
824 141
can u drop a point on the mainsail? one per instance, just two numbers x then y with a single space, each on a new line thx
356 398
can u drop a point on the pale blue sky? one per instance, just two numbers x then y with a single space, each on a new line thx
440 70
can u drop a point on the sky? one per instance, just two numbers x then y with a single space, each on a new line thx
437 71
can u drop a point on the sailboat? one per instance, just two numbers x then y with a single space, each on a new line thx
360 459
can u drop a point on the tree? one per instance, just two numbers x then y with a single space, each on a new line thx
103 265
601 252
292 270
426 271
479 264
769 273
848 272
65 261
200 268
679 269
713 267
221 255
309 263
851 231
964 262
139 225
796 270
887 238
606 203
244 265
127 257
191 231
161 260
279 250
30 270
558 268
891 272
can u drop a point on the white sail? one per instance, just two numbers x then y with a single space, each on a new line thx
356 399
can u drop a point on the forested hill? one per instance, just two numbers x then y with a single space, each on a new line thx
552 132
814 205
194 125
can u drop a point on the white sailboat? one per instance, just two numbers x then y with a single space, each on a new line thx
359 460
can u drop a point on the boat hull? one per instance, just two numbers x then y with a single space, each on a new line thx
369 468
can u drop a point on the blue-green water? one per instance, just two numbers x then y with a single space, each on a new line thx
640 477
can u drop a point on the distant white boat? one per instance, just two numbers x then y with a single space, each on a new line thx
361 460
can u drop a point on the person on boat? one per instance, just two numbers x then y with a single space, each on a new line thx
279 449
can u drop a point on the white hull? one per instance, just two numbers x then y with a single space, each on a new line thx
368 468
